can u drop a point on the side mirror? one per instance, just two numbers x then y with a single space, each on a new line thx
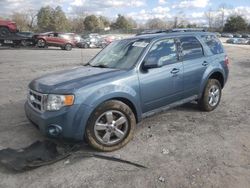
150 63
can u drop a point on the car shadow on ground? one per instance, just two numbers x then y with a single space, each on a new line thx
191 107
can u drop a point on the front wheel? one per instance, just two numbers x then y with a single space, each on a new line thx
68 47
111 126
41 43
211 95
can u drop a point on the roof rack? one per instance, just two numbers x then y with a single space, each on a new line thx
155 31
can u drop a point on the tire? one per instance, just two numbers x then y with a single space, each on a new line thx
24 43
103 45
85 46
102 127
68 47
4 32
41 43
211 95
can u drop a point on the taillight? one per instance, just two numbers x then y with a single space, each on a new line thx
226 61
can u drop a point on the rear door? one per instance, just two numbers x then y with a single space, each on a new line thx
56 39
194 64
163 85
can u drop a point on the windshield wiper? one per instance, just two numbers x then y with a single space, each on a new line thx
101 66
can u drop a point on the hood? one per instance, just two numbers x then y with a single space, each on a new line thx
69 80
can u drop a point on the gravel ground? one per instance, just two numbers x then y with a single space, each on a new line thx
182 147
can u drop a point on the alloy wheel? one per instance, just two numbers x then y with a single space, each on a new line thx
214 95
111 127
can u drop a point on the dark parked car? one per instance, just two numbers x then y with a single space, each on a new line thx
237 35
245 35
127 81
29 38
237 41
62 40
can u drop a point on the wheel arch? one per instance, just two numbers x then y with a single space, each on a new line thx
82 120
216 74
129 103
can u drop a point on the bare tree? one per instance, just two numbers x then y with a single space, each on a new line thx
21 20
32 15
179 20
210 17
155 23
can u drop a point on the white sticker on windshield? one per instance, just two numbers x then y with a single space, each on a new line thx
140 44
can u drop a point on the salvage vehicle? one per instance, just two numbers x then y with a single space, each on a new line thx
93 40
92 43
227 35
7 27
10 35
62 40
127 81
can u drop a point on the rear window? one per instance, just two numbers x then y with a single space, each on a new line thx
213 43
191 48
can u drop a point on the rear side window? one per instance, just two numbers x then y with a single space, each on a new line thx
191 48
213 43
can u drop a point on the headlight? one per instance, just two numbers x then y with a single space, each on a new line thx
56 102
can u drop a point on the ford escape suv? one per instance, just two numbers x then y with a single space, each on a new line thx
127 81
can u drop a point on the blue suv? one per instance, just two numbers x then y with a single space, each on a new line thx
127 81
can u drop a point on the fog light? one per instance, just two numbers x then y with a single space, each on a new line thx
54 130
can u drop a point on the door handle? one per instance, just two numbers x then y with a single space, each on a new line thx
175 71
205 63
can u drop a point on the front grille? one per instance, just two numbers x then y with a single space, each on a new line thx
36 100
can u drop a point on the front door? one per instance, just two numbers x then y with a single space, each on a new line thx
163 85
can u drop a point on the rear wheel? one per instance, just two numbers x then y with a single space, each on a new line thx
111 126
211 95
4 32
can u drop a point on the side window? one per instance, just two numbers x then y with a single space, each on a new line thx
191 48
163 52
213 43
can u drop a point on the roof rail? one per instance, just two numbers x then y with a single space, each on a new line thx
189 30
155 31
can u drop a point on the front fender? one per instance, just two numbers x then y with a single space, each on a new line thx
118 91
92 99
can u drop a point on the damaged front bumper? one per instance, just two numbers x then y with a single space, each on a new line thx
69 122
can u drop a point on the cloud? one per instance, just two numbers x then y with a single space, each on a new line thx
157 12
197 14
192 4
162 2
108 3
9 6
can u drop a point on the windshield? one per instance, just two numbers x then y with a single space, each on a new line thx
122 54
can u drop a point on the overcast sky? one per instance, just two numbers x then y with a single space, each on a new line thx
140 10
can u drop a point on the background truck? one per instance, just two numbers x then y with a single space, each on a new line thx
9 35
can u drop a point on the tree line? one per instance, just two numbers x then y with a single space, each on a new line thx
55 19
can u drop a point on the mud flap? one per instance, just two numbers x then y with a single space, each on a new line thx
42 153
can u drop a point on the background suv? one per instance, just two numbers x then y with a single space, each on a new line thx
63 40
127 81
